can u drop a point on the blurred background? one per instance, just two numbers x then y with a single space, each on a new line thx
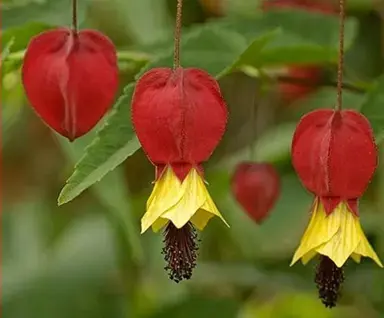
87 259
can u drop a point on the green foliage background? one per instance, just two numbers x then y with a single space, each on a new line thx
86 258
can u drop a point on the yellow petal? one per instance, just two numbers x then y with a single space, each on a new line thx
159 224
319 231
339 234
165 194
307 257
365 249
196 204
342 245
207 211
356 257
179 202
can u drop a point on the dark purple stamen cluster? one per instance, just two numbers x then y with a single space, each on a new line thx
180 251
329 279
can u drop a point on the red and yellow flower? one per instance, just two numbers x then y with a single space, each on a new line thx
179 117
335 157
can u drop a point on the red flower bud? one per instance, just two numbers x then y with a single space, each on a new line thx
70 79
334 155
179 117
256 186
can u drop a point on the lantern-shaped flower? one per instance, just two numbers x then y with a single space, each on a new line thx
256 187
179 117
70 79
335 157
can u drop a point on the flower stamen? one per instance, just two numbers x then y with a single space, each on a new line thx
180 251
329 279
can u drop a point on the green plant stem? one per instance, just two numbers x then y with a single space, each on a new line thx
177 39
74 16
340 65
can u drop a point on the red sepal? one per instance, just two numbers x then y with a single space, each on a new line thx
181 170
179 116
334 153
256 187
70 79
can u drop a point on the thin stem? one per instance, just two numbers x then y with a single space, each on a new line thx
253 120
340 67
176 51
74 16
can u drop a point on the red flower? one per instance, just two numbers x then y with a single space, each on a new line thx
335 157
70 79
256 186
179 117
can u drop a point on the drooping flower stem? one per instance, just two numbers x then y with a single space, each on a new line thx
180 251
329 279
340 67
74 16
177 39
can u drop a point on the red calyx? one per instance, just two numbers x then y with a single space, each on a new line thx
179 117
256 186
334 155
70 79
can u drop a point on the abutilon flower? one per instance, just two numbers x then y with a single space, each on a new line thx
256 187
70 79
311 75
179 117
335 157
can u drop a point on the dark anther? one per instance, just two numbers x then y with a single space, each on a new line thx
180 251
329 279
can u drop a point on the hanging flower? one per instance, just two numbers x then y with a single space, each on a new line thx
335 157
70 79
179 117
256 187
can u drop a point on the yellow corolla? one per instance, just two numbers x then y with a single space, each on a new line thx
338 236
179 202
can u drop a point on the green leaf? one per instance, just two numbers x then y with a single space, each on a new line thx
301 40
272 39
207 47
115 141
247 58
53 12
5 52
112 193
373 108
